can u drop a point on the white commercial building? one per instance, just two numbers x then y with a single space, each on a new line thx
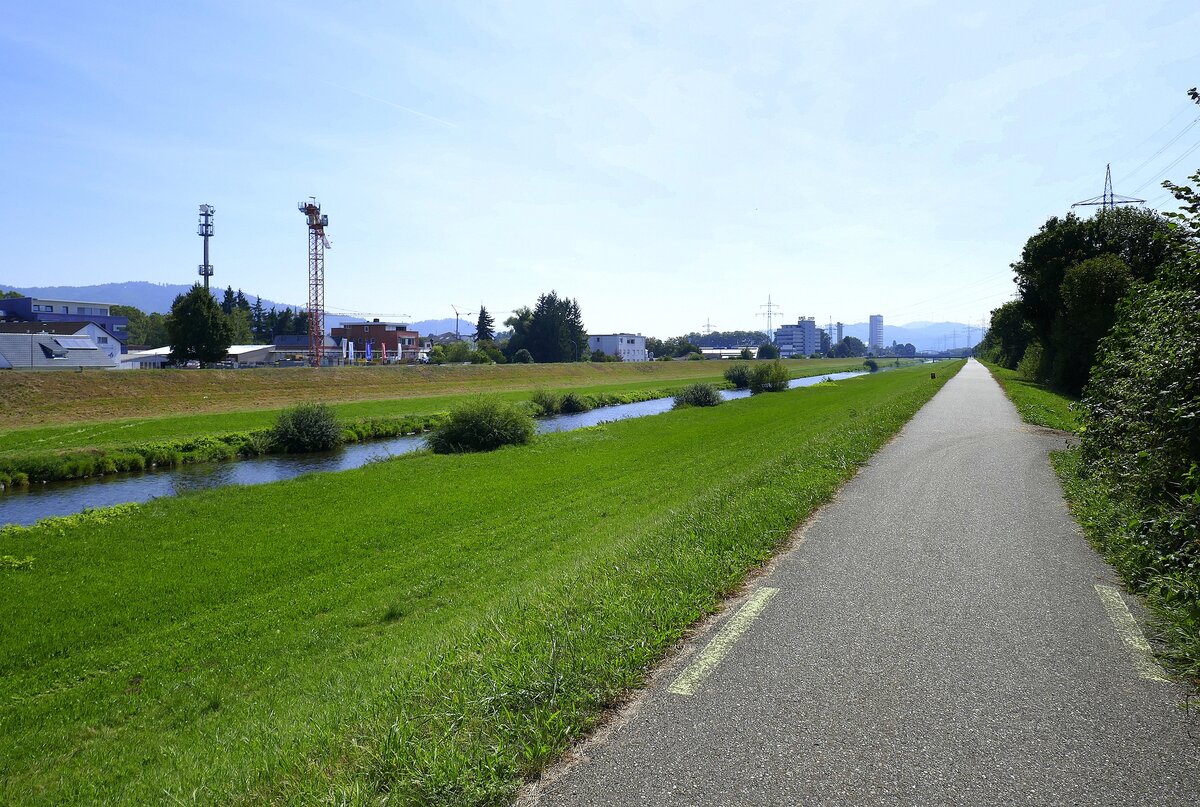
875 337
625 346
800 339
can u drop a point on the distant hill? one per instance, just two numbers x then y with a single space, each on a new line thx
922 335
157 297
149 297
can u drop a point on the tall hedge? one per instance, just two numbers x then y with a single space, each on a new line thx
1141 413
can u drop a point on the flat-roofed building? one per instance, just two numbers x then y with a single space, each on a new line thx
399 342
37 309
625 346
800 339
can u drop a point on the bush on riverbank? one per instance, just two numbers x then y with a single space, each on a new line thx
573 403
697 395
738 375
307 427
482 425
769 377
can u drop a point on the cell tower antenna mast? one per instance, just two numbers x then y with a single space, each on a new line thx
205 231
772 311
318 242
1108 200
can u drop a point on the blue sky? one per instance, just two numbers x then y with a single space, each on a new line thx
665 163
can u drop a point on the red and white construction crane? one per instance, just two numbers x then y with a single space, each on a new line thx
318 242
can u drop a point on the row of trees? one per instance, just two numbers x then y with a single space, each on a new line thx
1071 276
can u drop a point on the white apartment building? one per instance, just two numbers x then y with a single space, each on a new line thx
626 346
875 339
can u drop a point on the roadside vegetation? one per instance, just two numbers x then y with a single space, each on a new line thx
1109 310
1035 402
431 629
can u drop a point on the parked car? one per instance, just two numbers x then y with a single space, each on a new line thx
191 365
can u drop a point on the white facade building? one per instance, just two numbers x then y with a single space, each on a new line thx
625 346
875 337
800 339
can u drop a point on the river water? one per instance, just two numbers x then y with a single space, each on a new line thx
29 504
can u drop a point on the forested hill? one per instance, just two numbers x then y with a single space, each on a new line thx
149 297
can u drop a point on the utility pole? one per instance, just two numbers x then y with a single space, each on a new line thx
318 242
205 231
770 313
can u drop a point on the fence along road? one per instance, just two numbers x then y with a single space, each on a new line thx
942 635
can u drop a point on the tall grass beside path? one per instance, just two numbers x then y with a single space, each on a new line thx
1034 402
426 630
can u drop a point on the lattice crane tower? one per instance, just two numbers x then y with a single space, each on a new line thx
318 242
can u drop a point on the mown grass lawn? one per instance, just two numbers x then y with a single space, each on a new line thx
431 629
85 411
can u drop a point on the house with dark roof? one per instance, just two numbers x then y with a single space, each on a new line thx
33 309
46 351
105 340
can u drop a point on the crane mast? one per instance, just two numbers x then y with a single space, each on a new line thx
318 242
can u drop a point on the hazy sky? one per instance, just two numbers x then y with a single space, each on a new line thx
665 163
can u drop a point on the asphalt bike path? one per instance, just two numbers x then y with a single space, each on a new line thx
941 634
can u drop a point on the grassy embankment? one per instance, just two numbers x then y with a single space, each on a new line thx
1035 403
1106 524
393 400
430 629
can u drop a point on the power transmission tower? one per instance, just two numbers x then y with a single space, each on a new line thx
770 313
205 231
708 328
1108 200
318 242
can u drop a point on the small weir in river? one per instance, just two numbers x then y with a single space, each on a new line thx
29 504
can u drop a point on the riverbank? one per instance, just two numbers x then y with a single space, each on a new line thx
31 401
83 450
431 628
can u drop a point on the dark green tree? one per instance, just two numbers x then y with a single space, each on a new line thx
520 322
240 301
851 347
258 322
228 301
1009 334
767 351
197 327
484 330
1090 292
284 323
556 331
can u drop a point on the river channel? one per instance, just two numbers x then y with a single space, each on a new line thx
27 505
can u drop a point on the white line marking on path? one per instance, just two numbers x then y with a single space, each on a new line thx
1131 634
716 651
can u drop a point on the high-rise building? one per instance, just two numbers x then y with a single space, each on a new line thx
875 339
840 327
800 339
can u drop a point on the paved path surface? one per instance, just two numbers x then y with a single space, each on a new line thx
937 638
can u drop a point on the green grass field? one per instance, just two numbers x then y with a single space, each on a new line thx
1035 403
52 411
430 629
